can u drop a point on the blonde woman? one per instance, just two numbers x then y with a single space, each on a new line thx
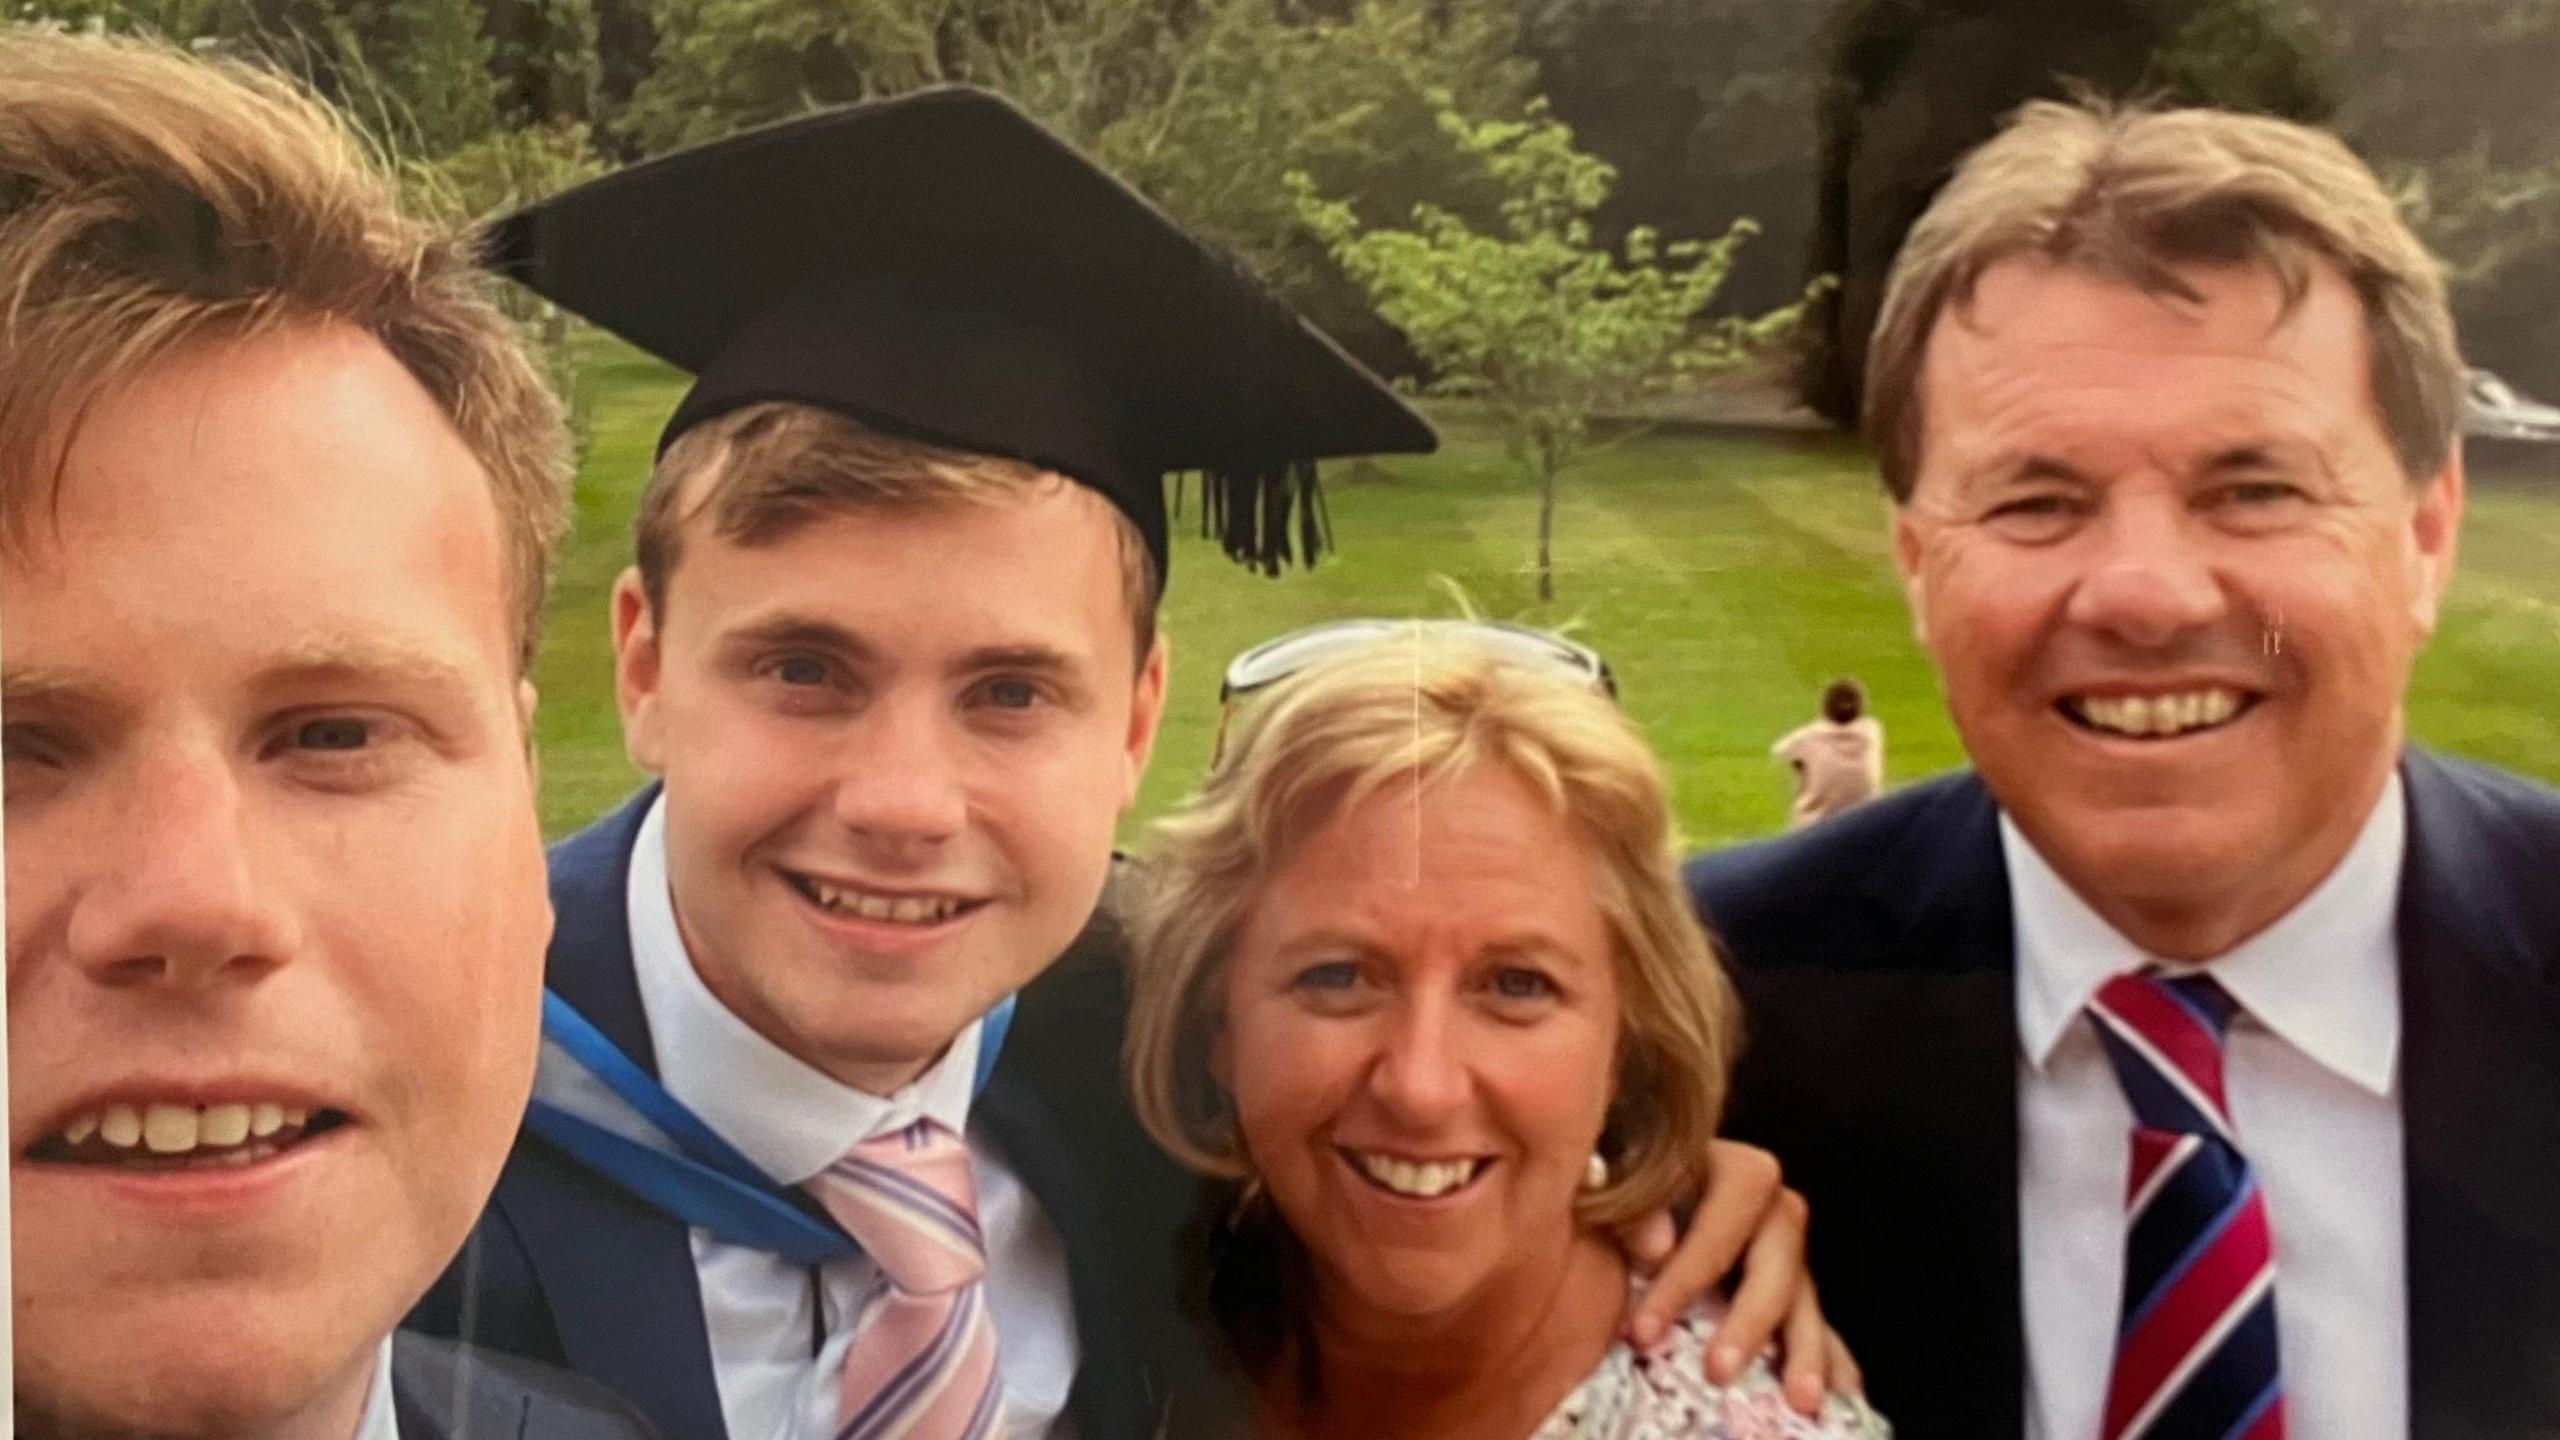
1418 976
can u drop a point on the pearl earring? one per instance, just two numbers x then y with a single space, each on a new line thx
1595 1173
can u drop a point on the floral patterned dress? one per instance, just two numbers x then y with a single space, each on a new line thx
1664 1394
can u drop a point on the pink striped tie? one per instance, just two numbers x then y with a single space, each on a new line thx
924 1366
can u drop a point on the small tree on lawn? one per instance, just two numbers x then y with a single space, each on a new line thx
1544 325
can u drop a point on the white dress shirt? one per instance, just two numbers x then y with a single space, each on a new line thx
2311 1073
379 1423
793 1121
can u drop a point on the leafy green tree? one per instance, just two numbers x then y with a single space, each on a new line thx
1546 327
181 20
1915 84
549 62
502 171
1706 108
2252 54
432 58
2453 101
1253 93
723 64
1204 106
413 73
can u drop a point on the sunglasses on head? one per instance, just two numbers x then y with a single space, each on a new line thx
1275 660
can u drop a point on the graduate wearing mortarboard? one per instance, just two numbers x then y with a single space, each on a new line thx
825 1141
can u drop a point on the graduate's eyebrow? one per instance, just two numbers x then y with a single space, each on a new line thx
1041 659
804 632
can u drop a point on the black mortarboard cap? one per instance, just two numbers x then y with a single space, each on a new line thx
939 266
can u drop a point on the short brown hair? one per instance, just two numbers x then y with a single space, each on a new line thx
150 198
1423 705
2136 193
764 470
1844 700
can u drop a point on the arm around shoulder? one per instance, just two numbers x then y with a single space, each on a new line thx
1753 1406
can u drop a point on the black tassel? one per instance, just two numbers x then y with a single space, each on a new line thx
1315 523
1249 512
1213 506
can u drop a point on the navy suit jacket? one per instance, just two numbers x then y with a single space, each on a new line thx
569 1269
1874 954
444 1391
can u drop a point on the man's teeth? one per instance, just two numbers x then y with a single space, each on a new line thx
1424 1180
903 909
184 1129
2159 714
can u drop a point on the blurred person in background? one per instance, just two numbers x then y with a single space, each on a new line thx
1837 757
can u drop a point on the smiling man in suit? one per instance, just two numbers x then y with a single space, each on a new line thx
278 491
2185 1070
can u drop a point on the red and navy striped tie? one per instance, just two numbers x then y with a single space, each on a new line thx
2196 1335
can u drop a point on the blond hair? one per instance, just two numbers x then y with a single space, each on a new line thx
2137 195
764 470
1423 706
150 199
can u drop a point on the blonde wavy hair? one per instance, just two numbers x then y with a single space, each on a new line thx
2137 194
150 199
1425 706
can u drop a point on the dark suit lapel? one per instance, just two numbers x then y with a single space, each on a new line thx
617 1274
1881 1065
444 1391
1107 1396
1953 1097
1056 1109
2480 1077
590 959
422 1410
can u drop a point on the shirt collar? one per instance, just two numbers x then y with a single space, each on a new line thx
379 1422
2324 977
792 1119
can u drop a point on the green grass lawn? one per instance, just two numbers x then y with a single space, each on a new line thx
1726 579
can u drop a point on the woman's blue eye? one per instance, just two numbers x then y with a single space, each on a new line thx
1522 985
800 670
1333 975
